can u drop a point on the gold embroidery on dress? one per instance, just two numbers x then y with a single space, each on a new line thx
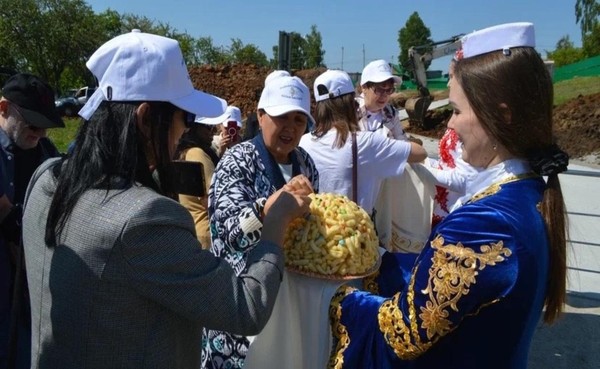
494 188
454 269
370 284
338 330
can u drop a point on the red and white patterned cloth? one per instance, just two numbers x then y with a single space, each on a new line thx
450 152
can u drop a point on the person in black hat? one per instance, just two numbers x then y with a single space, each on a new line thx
26 110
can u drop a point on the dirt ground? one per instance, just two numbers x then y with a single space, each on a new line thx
576 123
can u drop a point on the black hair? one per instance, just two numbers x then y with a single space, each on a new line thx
192 138
109 150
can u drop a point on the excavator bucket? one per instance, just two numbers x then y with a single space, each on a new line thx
416 108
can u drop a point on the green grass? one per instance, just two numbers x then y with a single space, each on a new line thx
62 137
563 92
570 89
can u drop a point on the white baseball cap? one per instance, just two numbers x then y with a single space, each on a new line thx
139 66
276 74
332 83
500 37
285 94
378 71
232 113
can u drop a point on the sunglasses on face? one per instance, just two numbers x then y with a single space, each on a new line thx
383 91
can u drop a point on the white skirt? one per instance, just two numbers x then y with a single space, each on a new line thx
404 209
298 335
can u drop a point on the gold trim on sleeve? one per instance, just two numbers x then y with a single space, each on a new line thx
338 330
454 269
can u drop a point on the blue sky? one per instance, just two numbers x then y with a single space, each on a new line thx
366 30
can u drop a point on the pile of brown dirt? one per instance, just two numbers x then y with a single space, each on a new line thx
241 84
577 122
577 125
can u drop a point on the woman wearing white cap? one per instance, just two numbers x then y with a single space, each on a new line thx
228 132
496 264
330 144
376 114
397 229
252 128
247 179
116 275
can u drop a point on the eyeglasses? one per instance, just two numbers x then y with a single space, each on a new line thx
383 91
24 121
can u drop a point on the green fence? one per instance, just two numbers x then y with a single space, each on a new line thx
587 67
432 84
584 68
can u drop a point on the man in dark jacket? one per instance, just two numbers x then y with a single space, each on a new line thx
26 110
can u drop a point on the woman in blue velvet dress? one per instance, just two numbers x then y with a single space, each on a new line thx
473 297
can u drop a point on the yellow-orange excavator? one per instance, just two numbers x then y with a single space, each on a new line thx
419 56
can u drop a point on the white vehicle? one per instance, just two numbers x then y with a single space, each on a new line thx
70 105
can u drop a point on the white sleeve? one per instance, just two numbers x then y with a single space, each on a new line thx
389 155
453 179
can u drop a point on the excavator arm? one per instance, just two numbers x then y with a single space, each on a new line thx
419 57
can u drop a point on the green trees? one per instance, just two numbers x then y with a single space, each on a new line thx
587 13
565 53
306 52
414 33
48 37
241 53
314 52
54 38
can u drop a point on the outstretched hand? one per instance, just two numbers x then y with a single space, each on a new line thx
299 185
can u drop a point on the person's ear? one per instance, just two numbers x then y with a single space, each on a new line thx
260 115
141 120
143 125
506 113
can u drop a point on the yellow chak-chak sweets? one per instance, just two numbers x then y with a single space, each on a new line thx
337 239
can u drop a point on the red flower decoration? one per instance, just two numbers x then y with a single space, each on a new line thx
458 55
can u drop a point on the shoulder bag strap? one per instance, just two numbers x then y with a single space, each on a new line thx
354 169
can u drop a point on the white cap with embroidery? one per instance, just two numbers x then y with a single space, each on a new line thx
286 94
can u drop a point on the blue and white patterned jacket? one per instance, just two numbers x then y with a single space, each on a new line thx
243 180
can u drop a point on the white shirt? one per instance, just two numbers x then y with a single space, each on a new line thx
489 176
377 121
455 179
378 158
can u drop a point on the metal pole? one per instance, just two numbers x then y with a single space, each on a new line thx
363 55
